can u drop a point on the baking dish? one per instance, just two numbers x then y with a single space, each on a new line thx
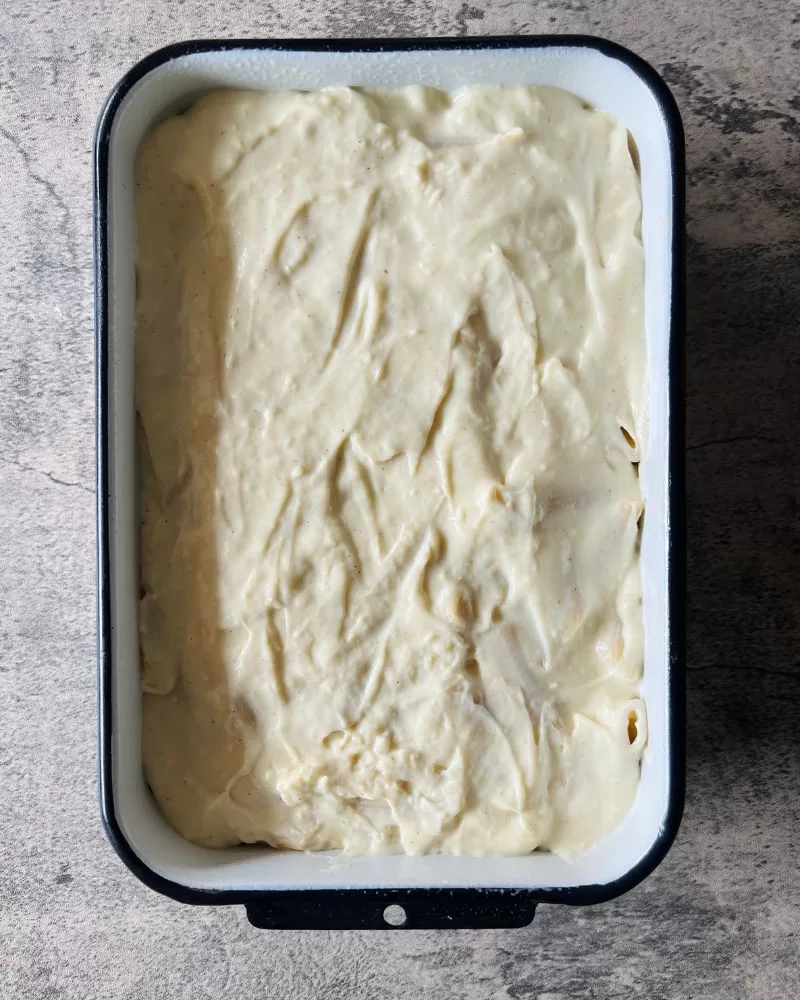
287 889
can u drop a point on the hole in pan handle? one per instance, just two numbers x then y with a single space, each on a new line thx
391 909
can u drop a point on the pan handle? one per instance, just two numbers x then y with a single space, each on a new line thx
392 909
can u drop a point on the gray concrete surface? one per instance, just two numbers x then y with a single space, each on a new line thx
721 918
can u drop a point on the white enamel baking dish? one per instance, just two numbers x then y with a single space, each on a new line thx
285 889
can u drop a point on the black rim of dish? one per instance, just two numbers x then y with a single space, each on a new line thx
423 907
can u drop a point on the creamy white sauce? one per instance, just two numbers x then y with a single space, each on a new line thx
387 347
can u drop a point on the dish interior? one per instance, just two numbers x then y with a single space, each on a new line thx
607 83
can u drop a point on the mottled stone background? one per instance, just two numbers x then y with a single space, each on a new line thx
721 917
